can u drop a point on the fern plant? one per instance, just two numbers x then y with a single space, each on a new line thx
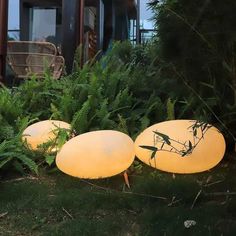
13 152
120 91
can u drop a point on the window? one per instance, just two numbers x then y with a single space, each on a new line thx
132 30
14 20
146 23
45 24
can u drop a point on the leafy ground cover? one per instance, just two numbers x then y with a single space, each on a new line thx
158 203
112 93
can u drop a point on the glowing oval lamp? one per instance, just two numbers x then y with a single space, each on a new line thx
42 132
97 154
181 146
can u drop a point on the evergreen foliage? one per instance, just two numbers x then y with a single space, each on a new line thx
196 44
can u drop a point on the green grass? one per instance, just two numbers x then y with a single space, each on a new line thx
56 204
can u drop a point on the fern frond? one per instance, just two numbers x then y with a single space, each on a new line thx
122 99
103 109
80 119
29 163
122 125
4 161
56 114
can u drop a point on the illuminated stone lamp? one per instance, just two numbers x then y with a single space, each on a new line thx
96 154
181 146
42 133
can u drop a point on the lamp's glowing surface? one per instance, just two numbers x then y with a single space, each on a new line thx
42 132
184 149
97 154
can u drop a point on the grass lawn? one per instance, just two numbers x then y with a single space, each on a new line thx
158 203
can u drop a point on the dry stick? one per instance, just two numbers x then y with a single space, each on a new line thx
3 214
20 179
144 195
203 8
195 200
211 47
114 190
213 183
202 100
67 213
221 194
193 27
201 36
173 202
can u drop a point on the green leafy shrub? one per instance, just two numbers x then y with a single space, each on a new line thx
196 45
117 92
13 153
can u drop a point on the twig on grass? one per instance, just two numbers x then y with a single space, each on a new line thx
221 194
67 213
145 195
195 199
173 201
20 179
213 183
114 190
3 214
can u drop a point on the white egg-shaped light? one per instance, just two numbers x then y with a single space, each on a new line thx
42 132
97 154
181 146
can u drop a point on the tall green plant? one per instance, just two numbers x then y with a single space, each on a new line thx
196 40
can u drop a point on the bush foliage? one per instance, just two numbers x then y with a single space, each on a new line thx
196 43
187 71
118 92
